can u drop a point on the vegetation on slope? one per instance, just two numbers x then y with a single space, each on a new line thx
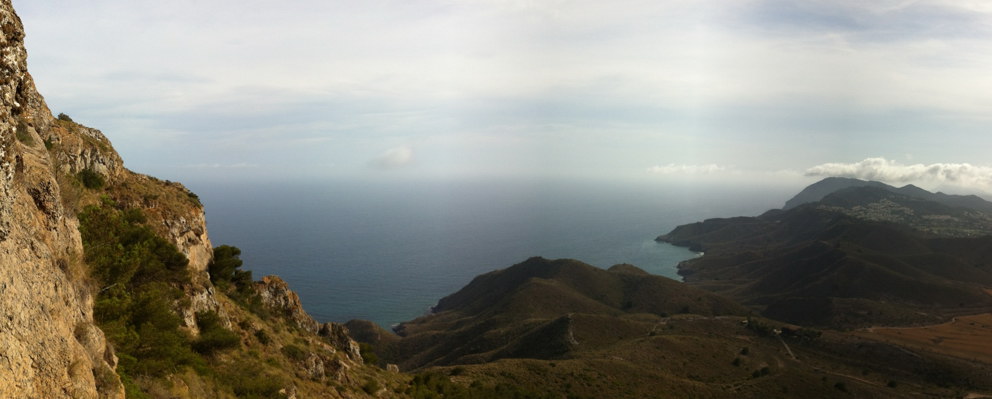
139 276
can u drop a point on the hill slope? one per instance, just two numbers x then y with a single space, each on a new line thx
529 309
561 328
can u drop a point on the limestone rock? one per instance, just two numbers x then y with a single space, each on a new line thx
313 365
277 296
337 335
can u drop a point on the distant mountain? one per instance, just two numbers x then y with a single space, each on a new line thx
936 213
816 191
862 255
819 190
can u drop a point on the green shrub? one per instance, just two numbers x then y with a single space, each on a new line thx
22 134
252 381
263 337
294 352
90 179
368 353
225 272
224 267
213 335
64 117
371 386
195 198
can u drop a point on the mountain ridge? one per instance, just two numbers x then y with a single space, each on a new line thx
821 189
864 254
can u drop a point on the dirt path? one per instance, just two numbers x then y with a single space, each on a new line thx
787 348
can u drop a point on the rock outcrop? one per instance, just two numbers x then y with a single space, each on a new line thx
337 335
278 298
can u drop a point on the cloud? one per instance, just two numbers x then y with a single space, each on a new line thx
683 169
714 75
393 158
962 175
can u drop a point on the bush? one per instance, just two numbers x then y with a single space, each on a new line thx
90 179
224 267
22 134
213 335
64 117
195 198
251 381
294 352
368 354
263 337
225 272
371 386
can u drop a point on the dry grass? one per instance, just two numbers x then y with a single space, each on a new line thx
966 337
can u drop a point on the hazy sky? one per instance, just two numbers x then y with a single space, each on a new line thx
644 90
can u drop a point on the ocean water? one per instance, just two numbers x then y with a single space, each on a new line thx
387 251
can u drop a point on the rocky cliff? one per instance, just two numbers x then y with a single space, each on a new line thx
49 345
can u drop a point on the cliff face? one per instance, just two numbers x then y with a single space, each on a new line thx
50 347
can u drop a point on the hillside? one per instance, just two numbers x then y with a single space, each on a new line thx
561 328
530 310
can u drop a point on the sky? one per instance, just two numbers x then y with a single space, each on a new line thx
757 91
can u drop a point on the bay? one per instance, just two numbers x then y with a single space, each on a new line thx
388 250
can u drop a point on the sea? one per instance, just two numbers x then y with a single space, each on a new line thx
386 251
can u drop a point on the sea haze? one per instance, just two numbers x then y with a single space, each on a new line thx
387 251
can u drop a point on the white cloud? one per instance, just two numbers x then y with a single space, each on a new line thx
683 169
393 158
957 175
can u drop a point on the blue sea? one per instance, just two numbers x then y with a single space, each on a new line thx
387 251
